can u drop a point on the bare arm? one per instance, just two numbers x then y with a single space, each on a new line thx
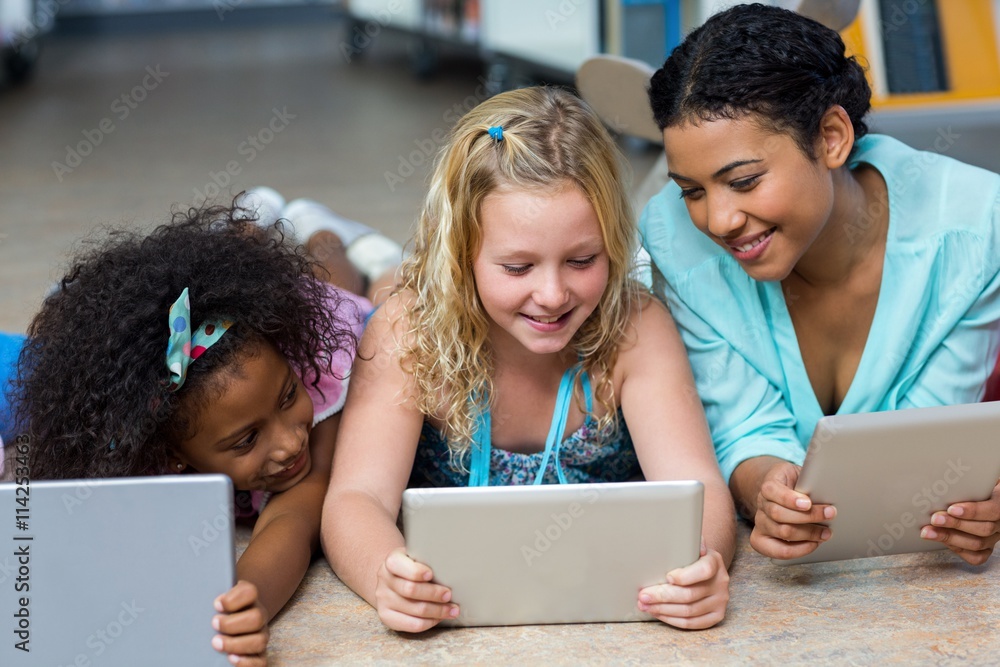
286 534
377 444
667 424
272 566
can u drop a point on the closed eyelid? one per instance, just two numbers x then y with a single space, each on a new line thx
718 174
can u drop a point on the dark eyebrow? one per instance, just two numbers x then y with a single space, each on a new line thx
241 429
728 167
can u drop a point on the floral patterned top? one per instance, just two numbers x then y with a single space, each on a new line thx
591 454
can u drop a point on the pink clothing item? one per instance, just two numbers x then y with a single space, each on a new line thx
350 309
354 310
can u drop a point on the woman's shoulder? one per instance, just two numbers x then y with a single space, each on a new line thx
931 192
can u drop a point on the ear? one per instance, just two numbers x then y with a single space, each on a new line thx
175 465
836 137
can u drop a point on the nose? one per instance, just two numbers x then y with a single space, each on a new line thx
725 219
288 441
551 290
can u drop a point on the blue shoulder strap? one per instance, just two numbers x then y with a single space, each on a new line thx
479 474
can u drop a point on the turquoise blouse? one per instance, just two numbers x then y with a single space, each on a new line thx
933 340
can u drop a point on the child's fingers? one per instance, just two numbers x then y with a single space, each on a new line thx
411 580
695 609
418 591
241 622
401 565
250 645
240 596
248 660
703 569
389 598
695 622
405 615
402 622
407 605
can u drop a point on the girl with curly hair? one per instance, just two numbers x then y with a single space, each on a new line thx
205 346
519 284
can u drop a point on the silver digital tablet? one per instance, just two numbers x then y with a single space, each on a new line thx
574 553
113 572
887 472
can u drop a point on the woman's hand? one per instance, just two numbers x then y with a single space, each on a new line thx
406 600
786 522
242 626
694 597
971 530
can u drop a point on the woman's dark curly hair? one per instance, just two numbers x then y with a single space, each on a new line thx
92 376
786 69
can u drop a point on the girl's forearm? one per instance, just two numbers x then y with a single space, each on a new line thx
719 521
276 561
358 535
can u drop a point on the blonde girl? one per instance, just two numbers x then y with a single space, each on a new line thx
516 318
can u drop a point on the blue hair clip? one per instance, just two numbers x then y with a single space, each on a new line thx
496 132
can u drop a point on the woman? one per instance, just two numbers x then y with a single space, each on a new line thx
812 268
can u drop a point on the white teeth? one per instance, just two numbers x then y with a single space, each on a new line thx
753 244
545 320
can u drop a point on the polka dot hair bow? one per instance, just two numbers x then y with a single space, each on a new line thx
184 346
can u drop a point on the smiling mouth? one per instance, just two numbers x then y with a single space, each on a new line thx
746 247
292 468
546 320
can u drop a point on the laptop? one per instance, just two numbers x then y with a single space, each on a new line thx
114 572
887 472
575 553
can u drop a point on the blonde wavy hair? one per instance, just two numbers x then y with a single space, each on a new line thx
550 138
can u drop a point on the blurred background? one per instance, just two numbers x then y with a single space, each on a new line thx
114 111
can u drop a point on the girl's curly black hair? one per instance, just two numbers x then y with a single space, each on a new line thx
785 68
91 383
